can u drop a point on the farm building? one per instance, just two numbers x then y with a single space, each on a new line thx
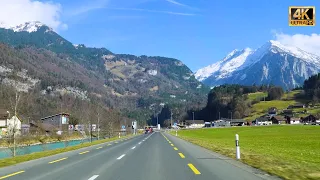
61 121
278 120
262 121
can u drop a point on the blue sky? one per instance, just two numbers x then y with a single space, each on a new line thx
197 32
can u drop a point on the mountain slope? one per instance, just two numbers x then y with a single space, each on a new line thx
127 82
273 63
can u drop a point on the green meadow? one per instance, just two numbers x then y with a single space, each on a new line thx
289 151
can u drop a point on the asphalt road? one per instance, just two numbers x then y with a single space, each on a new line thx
158 156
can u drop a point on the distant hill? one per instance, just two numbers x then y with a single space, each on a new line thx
121 81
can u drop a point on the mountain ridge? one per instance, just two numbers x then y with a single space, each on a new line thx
127 82
310 63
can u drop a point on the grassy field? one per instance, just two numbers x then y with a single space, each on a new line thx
37 155
262 107
257 95
291 152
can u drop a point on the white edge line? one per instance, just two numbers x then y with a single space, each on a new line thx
133 147
121 156
93 177
139 142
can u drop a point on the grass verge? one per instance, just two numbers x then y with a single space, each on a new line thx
290 151
23 158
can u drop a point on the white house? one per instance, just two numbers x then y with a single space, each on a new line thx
294 121
14 125
194 123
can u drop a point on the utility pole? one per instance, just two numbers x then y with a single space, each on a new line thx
157 119
219 115
98 125
90 131
193 117
171 119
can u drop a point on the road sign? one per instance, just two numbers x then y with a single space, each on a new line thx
175 124
123 127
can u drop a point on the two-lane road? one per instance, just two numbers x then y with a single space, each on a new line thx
158 156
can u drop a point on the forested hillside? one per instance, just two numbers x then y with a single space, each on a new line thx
136 86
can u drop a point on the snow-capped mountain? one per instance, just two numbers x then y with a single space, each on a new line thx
224 68
30 27
272 63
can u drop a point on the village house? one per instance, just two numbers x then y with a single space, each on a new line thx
262 121
14 126
278 120
288 112
4 115
61 121
309 119
230 122
272 111
296 106
194 123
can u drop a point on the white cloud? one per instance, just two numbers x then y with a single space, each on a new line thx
154 11
16 12
309 43
175 2
88 6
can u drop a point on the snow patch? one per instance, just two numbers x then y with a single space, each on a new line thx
30 27
178 63
265 71
4 69
108 57
76 92
243 77
235 60
152 72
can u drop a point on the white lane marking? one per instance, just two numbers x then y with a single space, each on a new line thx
133 147
139 142
93 177
121 156
143 140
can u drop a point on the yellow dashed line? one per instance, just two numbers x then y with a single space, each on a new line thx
194 169
109 144
175 148
84 152
13 174
172 145
58 160
181 155
99 147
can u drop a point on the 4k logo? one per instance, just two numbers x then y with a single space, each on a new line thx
302 16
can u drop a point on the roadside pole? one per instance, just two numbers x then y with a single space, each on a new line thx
119 134
237 147
176 133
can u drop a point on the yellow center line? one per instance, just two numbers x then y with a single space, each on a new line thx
58 160
175 148
84 152
109 144
172 145
194 169
181 155
9 175
99 147
116 142
169 142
